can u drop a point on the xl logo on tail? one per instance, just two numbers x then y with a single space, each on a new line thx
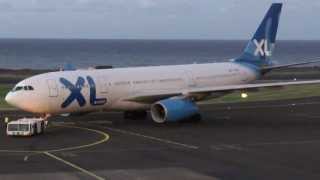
262 48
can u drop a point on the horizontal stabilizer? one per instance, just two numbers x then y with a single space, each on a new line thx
309 61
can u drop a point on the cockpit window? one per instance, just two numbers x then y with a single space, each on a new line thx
18 88
26 88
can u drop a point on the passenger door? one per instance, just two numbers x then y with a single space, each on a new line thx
190 81
103 85
53 88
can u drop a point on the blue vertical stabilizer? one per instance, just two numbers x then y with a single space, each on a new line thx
259 50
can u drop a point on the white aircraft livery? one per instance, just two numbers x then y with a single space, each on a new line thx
170 93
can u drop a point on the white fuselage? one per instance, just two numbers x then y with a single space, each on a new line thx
113 86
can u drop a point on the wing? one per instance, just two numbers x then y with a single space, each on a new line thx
195 93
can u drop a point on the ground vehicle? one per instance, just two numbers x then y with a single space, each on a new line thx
26 127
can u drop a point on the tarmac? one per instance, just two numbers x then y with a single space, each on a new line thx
262 140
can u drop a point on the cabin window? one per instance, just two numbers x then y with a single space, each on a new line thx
24 127
13 127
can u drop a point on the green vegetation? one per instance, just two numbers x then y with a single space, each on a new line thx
267 94
4 89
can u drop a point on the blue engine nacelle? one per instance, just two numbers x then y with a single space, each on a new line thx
173 110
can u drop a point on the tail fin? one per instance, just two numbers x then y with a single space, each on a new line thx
260 48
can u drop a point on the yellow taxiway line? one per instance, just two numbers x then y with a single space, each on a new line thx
74 166
105 138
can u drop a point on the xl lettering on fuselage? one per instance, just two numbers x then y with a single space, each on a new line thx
76 95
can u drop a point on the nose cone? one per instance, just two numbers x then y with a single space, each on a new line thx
26 101
10 99
16 100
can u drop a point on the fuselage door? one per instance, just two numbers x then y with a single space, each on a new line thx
190 81
53 88
103 85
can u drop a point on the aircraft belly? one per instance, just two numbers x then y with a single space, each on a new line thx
129 106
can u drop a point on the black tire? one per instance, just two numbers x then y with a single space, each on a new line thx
36 129
197 117
193 119
42 128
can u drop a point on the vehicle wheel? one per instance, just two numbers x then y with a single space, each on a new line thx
42 128
35 129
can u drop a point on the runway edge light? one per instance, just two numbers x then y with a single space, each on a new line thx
244 95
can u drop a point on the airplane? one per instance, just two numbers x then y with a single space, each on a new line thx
169 92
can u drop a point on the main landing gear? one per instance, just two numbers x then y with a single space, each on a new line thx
196 118
135 115
45 117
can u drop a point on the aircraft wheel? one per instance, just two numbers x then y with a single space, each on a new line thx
197 117
193 119
135 114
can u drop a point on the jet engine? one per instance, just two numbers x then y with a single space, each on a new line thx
173 110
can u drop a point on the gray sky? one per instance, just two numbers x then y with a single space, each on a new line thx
153 19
